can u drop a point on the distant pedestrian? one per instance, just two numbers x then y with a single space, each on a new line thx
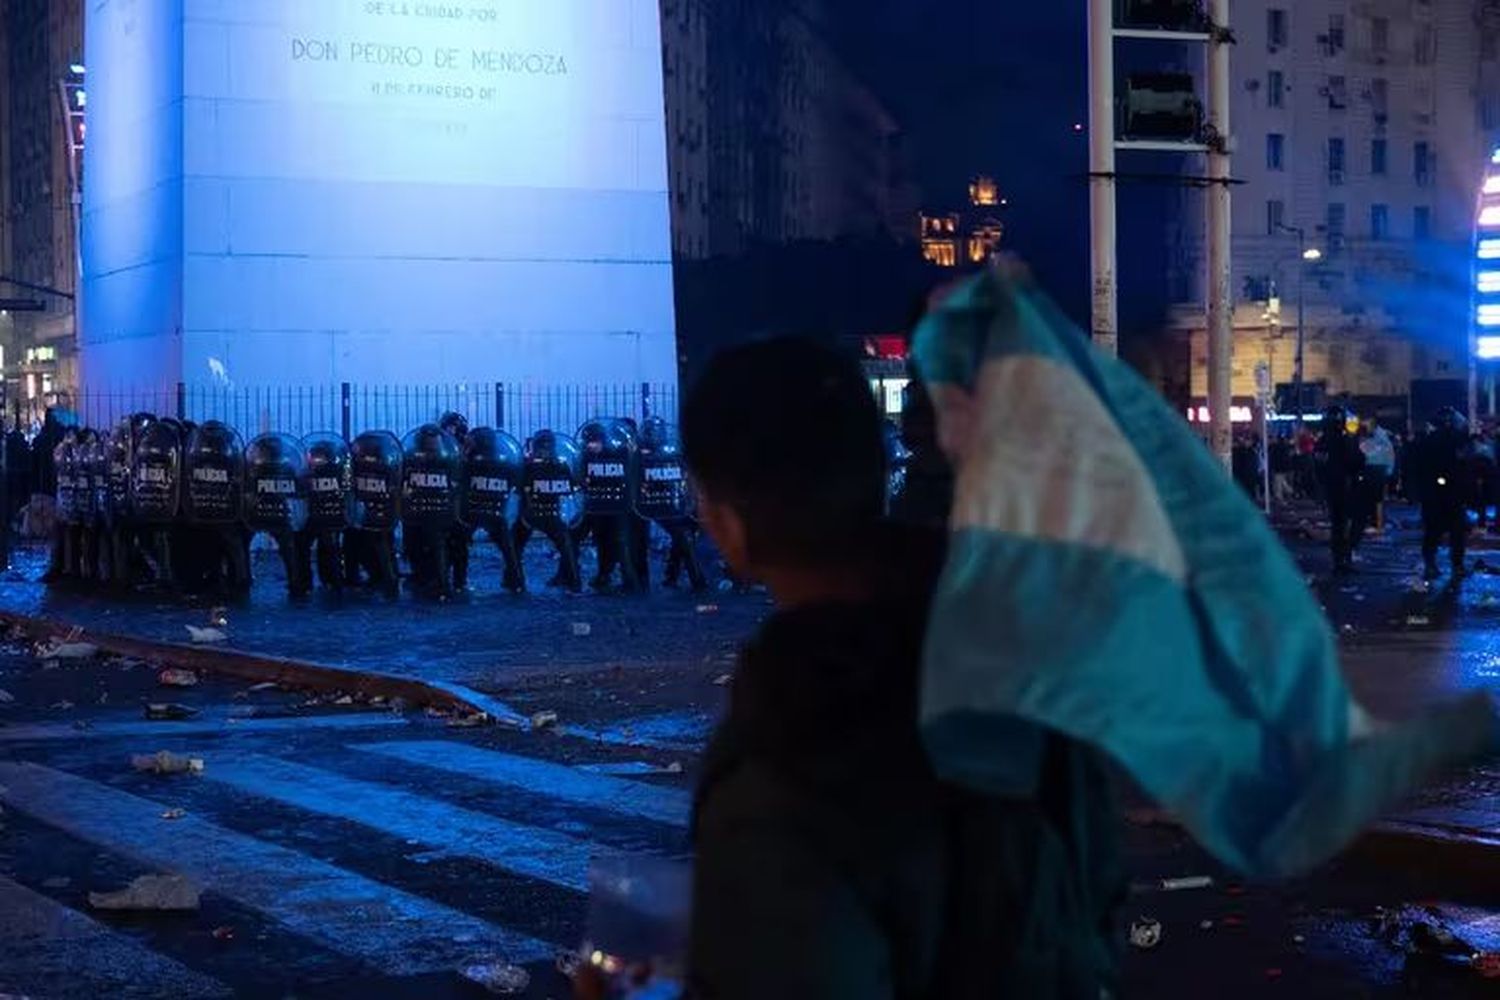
1282 459
1374 479
1339 464
1442 484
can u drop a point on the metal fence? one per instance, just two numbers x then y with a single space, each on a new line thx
351 408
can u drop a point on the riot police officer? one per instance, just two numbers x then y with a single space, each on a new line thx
429 506
330 501
492 500
610 476
665 497
87 468
118 544
214 473
460 535
155 493
64 561
370 547
1442 480
1339 462
275 501
552 501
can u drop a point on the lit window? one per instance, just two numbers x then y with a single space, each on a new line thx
1488 282
1489 315
1489 249
1489 348
1492 184
1489 216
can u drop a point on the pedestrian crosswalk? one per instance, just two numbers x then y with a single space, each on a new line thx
380 911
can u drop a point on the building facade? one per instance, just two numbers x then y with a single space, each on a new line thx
40 43
1361 129
771 137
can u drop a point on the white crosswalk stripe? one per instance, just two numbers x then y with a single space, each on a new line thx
399 932
631 798
48 949
51 731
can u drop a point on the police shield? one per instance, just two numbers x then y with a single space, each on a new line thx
97 456
214 464
663 492
551 482
85 463
155 472
430 482
376 458
492 480
65 466
116 506
329 488
274 498
610 460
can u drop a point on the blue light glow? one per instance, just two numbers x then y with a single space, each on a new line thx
1489 250
1488 348
1487 282
1488 315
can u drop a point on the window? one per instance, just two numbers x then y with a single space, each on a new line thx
1338 93
1275 217
1377 157
1275 89
1380 95
1275 151
1421 222
1335 33
1335 161
1380 35
1424 51
1380 222
1335 223
1275 28
1422 164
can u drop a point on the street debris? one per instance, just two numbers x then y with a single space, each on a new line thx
631 768
543 720
62 706
346 699
173 677
174 813
223 933
169 711
497 976
398 705
218 617
1145 933
197 634
150 892
568 963
166 762
708 609
1175 884
62 649
581 629
1418 621
6 697
469 721
723 679
1205 925
264 686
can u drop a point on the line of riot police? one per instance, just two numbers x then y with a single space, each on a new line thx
157 500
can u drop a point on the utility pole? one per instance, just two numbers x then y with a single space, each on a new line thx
1220 291
1106 315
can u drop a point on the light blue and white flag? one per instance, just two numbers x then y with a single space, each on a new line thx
1107 580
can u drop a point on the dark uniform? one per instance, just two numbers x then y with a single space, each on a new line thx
64 562
1339 463
119 532
664 497
370 547
156 493
214 471
275 501
552 501
431 485
492 501
610 476
330 500
1442 483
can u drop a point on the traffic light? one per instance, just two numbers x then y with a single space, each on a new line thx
1162 107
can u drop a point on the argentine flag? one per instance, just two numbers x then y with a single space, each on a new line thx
1107 580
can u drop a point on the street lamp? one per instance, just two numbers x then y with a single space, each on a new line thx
1309 255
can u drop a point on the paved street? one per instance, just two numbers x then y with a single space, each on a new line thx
347 849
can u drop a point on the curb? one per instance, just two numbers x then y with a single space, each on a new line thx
289 673
1449 856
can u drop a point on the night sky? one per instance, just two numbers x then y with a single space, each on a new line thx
996 86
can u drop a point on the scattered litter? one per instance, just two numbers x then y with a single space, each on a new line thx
1145 933
723 679
1487 964
174 814
61 649
543 720
725 586
166 762
1418 620
265 686
398 705
1419 586
57 882
149 892
169 711
1359 598
708 609
223 933
1186 882
173 677
568 963
197 634
581 629
218 617
1346 628
1298 939
344 700
631 768
1205 925
469 721
379 699
62 706
103 698
6 697
497 976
